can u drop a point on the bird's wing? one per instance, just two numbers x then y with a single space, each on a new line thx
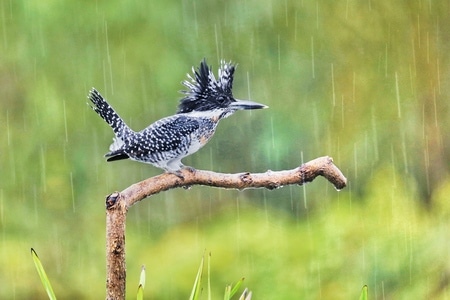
168 134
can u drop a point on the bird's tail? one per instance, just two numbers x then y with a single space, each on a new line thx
104 110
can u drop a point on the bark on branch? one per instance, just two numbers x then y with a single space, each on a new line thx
118 203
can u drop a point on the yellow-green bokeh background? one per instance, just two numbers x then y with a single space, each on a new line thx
366 82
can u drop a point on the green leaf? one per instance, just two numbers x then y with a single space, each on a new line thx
363 295
142 277
236 287
140 292
209 276
196 288
43 275
246 295
227 294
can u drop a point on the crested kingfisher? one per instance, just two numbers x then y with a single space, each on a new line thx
164 143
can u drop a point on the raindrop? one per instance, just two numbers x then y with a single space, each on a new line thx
363 255
211 159
108 55
374 134
435 108
332 85
411 80
1 209
404 152
65 120
238 221
195 19
295 25
292 198
366 146
272 132
355 159
338 140
248 86
386 61
217 42
43 175
279 52
397 92
317 15
266 210
312 58
410 254
8 134
305 202
426 156
354 86
394 177
316 125
438 76
72 190
35 203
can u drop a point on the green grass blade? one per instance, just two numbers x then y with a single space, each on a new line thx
142 277
236 287
196 288
43 275
227 292
246 295
363 295
209 276
140 292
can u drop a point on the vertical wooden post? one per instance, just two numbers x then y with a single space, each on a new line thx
116 212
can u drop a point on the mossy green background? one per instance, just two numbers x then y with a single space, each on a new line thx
365 82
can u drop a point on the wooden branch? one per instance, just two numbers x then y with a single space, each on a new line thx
117 204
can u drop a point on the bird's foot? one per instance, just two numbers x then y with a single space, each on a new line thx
190 169
177 173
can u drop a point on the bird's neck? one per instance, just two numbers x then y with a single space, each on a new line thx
215 115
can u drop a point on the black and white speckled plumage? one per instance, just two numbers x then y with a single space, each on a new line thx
168 140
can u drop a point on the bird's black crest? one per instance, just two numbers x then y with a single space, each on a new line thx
205 92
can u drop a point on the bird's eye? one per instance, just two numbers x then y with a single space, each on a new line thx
223 100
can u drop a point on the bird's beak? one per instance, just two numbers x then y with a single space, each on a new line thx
245 104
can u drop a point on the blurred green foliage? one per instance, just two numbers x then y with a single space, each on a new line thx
362 81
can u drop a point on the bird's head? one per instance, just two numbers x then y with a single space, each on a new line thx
206 94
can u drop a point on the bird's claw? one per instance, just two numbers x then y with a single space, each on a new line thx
190 169
179 174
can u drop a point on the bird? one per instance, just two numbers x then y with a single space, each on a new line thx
167 141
